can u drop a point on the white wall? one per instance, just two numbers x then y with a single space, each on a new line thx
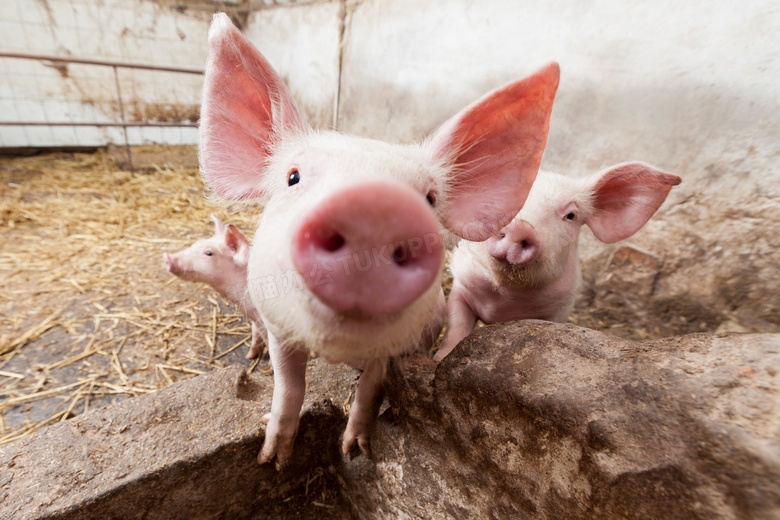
693 87
302 44
690 87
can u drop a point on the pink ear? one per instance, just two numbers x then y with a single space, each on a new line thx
625 196
238 244
219 227
494 147
246 107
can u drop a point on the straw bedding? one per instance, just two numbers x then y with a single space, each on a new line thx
88 313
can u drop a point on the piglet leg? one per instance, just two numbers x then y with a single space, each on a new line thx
460 322
432 331
365 408
289 387
256 348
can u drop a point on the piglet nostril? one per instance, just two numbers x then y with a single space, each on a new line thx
400 255
327 240
333 243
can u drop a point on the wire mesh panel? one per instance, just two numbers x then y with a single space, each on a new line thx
89 72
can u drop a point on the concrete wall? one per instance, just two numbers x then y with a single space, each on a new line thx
302 43
128 31
689 87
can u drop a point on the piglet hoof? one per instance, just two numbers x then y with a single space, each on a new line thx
447 346
255 350
362 439
280 435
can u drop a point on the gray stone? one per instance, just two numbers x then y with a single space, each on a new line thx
188 451
542 420
523 420
719 272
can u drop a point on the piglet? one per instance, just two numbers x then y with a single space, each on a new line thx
221 262
530 269
353 251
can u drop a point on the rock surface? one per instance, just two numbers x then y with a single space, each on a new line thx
523 420
700 265
541 420
188 451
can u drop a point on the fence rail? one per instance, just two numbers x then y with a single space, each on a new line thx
162 124
108 63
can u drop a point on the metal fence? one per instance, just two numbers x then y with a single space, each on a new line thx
90 73
170 118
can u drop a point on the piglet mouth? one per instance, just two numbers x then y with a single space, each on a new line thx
354 315
515 264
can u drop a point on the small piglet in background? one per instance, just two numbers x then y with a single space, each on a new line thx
531 269
221 262
348 253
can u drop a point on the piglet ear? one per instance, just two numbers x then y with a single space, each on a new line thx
237 244
219 227
245 109
625 196
494 148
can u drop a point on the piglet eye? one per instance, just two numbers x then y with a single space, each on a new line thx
208 253
571 216
431 198
294 177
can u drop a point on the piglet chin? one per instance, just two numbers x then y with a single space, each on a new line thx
530 274
355 315
341 336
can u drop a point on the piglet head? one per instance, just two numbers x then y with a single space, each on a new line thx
539 246
352 249
217 260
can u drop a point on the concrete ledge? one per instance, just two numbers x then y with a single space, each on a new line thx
542 420
188 451
523 420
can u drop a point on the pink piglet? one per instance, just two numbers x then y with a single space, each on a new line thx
221 262
530 269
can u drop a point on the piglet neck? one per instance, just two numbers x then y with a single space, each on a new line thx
234 288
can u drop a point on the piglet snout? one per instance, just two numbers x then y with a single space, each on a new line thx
371 248
170 263
517 243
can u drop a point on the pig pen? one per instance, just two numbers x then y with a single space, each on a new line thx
91 318
124 391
